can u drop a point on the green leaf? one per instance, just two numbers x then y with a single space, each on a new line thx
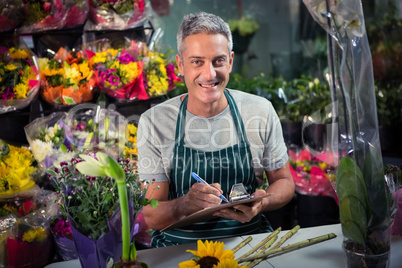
63 148
353 219
115 170
153 203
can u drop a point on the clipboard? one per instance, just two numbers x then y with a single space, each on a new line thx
206 214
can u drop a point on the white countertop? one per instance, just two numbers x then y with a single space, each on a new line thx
325 254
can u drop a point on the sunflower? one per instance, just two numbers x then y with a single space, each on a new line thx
210 255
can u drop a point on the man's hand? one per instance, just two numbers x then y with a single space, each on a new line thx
201 196
242 213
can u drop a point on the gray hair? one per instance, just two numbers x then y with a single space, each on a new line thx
202 23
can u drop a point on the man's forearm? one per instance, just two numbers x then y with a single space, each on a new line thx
166 213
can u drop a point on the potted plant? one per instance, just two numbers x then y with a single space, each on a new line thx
364 200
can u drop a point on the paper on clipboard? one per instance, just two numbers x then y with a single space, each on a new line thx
206 214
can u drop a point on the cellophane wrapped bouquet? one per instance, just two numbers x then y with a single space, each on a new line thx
61 136
25 211
19 75
116 14
48 15
10 14
312 175
119 72
67 78
133 73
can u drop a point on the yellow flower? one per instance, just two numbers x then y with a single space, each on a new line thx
129 72
99 57
17 53
21 90
208 254
35 235
10 67
16 169
85 70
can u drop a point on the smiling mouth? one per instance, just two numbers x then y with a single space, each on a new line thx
210 85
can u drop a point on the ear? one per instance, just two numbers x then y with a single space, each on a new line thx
231 61
179 65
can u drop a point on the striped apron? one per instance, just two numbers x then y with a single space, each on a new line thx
227 166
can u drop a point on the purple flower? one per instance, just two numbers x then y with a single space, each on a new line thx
114 80
7 94
80 126
126 58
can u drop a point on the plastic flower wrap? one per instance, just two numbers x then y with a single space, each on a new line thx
19 75
61 136
116 14
67 78
17 167
365 198
160 76
47 15
119 72
25 239
63 237
10 14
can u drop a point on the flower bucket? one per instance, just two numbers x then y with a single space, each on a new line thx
108 248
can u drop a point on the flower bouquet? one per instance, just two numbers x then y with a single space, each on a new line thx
160 75
19 75
119 72
91 202
365 200
17 167
63 237
10 14
40 16
116 14
311 175
60 136
25 239
66 78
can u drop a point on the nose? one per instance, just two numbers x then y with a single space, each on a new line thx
209 72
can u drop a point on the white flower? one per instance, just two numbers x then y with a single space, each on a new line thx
41 149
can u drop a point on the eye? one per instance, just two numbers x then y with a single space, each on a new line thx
196 62
220 61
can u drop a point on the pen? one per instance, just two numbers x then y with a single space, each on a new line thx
198 178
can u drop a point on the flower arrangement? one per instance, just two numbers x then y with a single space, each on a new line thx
53 14
116 14
91 192
66 78
17 167
10 14
365 201
134 72
311 175
118 72
59 137
211 254
19 76
24 233
160 76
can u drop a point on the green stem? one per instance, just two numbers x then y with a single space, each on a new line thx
125 221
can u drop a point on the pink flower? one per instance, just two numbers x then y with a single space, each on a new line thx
47 6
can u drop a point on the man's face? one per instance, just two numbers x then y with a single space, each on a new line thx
206 66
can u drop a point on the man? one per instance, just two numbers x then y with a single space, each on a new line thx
225 136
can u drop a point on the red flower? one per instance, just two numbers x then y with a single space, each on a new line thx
26 208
